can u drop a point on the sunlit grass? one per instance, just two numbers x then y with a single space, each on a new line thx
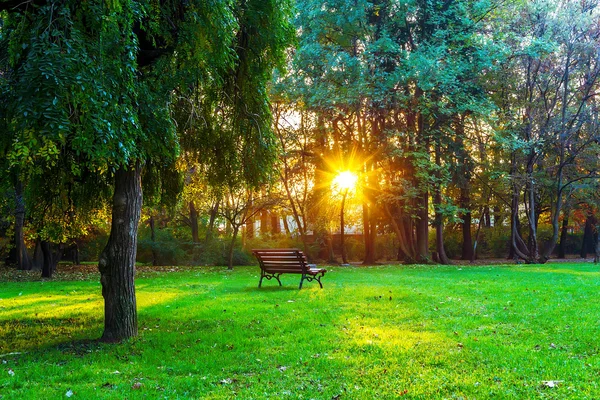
379 332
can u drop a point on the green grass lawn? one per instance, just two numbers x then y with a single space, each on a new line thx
372 333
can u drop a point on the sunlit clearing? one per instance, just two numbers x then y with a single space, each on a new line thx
345 180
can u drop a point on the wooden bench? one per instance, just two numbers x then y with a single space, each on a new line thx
274 262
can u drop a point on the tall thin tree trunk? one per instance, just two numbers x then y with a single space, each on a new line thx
22 257
373 236
422 226
117 260
286 226
342 223
369 235
562 246
439 222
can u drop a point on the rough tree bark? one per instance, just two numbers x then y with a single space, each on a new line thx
117 261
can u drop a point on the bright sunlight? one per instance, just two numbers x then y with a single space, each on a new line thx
344 181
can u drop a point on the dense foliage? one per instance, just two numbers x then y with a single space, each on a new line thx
473 126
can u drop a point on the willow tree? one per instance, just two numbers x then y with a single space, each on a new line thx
97 80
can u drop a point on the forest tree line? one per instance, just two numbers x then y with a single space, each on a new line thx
458 117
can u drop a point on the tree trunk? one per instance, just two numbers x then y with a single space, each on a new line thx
47 256
422 227
117 261
38 255
22 257
264 223
597 252
562 246
50 258
76 260
588 237
211 222
487 218
439 222
373 236
342 223
275 225
286 226
369 226
194 222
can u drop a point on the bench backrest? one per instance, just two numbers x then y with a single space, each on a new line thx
281 260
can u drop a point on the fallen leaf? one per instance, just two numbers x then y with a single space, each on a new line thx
69 393
137 385
282 368
11 372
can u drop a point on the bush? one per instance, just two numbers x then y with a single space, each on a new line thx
168 249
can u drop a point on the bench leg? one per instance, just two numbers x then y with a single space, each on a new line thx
301 281
263 275
318 278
